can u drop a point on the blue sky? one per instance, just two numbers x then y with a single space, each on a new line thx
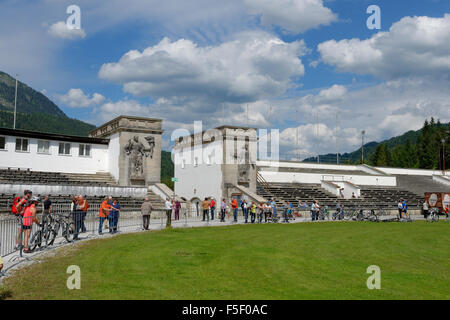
207 60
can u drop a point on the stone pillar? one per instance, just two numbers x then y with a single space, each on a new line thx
139 154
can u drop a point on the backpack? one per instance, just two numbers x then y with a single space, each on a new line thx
13 208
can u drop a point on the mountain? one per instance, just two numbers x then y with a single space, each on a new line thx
410 145
36 112
28 99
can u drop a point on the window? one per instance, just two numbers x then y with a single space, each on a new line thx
43 146
64 148
21 144
84 150
2 143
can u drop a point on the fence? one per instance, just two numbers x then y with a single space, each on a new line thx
127 221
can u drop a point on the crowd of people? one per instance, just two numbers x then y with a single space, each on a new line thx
26 209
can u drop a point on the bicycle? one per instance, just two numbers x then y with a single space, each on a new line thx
45 236
323 213
67 227
433 215
338 215
372 216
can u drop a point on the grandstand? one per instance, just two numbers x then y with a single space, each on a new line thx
127 203
17 175
385 197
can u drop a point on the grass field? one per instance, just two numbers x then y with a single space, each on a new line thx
297 261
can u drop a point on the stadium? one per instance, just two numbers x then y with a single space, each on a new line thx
224 151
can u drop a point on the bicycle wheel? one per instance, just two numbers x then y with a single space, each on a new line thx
68 231
36 241
52 233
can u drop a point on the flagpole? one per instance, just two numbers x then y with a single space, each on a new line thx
15 103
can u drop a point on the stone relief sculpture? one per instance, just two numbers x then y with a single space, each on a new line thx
244 163
137 151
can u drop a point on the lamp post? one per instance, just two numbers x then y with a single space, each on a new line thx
443 156
362 146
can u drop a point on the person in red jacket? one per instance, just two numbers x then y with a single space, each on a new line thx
234 206
212 207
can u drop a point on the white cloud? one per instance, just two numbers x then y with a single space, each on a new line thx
76 98
60 30
111 110
253 66
295 16
383 111
413 46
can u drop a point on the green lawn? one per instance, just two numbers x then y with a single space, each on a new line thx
297 261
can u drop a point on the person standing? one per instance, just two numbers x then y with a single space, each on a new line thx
177 209
78 212
266 211
169 207
286 212
115 215
234 207
47 206
105 207
212 206
245 210
404 208
260 212
253 212
223 210
425 209
273 204
315 210
29 217
19 209
146 210
205 207
400 208
82 206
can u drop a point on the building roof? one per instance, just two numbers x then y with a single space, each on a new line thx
51 136
128 123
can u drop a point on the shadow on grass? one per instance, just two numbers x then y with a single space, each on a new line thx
5 294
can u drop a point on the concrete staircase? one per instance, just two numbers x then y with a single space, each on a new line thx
156 201
103 178
420 184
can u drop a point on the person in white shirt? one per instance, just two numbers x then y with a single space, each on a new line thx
425 209
168 206
245 208
315 210
400 208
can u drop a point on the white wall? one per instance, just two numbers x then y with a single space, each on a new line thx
418 172
52 162
203 180
442 179
289 164
113 155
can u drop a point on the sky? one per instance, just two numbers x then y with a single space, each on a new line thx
310 68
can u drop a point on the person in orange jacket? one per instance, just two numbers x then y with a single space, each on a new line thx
105 207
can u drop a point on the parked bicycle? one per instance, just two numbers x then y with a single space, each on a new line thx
324 214
433 215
